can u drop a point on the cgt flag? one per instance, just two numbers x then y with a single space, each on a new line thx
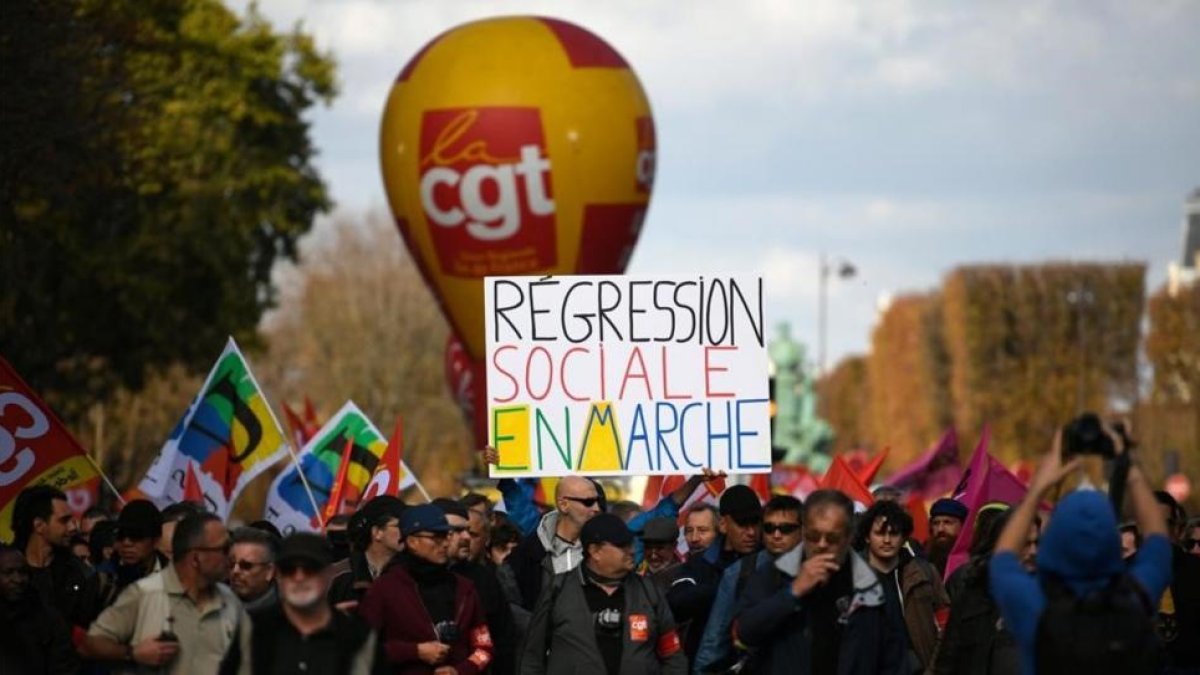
288 504
35 448
229 432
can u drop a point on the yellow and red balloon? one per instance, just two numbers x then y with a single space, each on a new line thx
514 146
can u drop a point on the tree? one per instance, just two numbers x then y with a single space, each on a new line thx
908 374
154 165
844 401
357 322
1032 346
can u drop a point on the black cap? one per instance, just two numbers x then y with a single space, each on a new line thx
740 503
605 528
139 519
660 531
451 507
305 548
372 514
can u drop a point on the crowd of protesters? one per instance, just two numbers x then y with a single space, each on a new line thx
459 586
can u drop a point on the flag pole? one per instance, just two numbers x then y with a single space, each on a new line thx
304 481
104 478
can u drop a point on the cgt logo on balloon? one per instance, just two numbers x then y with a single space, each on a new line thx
485 179
619 375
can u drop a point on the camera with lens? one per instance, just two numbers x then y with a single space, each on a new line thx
448 632
1085 435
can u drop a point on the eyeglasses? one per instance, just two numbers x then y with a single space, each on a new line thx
588 502
247 565
781 528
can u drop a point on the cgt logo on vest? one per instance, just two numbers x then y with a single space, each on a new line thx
486 190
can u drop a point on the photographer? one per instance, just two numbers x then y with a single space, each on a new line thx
429 618
1083 612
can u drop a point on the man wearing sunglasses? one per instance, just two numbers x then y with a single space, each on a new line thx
252 568
819 608
553 548
135 545
179 620
781 528
695 587
428 618
303 633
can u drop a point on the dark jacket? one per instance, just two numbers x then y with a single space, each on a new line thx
35 639
774 624
255 651
539 556
73 591
112 577
394 608
497 613
975 640
351 579
695 589
1183 618
562 639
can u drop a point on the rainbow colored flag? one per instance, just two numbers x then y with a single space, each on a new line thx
289 506
229 434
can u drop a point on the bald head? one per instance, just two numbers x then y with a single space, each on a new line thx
576 500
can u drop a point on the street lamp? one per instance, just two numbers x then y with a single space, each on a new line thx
845 270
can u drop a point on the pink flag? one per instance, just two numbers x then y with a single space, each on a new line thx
985 481
935 472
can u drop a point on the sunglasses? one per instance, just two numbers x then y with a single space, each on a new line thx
588 502
246 565
781 528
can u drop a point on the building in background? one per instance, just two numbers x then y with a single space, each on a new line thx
1184 273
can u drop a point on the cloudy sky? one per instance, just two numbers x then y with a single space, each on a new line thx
905 137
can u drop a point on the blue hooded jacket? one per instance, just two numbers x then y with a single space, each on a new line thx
1081 548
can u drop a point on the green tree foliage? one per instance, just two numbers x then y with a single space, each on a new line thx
154 164
1031 346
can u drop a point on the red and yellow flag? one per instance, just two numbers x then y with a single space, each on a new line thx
35 447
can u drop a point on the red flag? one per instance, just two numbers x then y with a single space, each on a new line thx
386 479
339 484
296 426
191 486
867 473
841 477
920 515
37 448
310 417
653 491
761 484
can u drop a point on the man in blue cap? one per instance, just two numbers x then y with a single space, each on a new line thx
946 518
1084 611
428 618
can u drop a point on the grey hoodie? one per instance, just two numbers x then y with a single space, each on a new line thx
561 555
868 592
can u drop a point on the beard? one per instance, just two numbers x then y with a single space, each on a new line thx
939 552
303 598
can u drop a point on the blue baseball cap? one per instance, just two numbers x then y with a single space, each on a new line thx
423 518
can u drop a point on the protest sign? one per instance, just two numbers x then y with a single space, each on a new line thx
35 448
626 375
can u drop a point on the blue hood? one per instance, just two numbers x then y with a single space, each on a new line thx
1081 546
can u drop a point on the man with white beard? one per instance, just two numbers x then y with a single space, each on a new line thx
303 633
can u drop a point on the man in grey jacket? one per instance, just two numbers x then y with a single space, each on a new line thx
600 617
